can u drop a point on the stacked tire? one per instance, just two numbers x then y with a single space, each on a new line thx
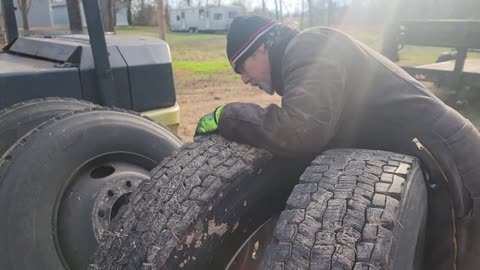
67 167
76 177
351 209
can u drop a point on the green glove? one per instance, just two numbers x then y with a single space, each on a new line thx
209 123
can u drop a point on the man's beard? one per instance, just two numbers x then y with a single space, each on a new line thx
264 86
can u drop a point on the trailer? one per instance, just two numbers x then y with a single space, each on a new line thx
453 71
203 19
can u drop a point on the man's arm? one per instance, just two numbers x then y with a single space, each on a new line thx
311 106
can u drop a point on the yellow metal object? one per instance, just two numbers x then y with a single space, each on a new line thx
169 117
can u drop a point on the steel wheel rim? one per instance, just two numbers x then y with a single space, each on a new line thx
96 190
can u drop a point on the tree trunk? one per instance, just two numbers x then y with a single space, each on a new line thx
108 13
263 7
281 10
129 12
2 38
302 22
26 25
276 9
310 13
24 6
161 20
392 31
74 16
330 13
167 14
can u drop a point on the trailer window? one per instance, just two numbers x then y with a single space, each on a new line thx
178 18
201 13
232 14
183 15
217 16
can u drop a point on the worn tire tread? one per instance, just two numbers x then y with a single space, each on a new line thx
342 214
162 212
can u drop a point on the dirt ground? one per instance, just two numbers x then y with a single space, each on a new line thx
197 97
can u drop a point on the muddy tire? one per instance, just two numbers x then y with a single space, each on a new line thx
198 208
18 119
54 175
353 209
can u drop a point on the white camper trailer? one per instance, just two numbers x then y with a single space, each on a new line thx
205 19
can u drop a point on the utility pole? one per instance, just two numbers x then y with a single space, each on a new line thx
161 20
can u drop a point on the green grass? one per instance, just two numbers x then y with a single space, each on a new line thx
409 55
206 67
186 46
209 49
197 53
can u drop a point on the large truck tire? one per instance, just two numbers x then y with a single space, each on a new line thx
18 119
198 208
353 209
62 183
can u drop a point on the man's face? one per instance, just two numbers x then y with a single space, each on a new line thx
255 70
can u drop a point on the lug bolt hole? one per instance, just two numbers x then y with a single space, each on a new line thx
128 184
102 172
101 213
110 193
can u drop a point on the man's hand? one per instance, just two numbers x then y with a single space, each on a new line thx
209 123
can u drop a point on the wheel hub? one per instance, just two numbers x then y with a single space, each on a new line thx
94 196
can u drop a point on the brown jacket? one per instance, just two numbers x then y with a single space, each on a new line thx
339 93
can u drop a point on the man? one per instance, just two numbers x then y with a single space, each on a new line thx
337 93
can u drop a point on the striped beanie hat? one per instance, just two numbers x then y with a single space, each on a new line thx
246 34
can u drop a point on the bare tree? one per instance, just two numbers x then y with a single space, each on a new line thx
330 13
2 37
24 6
167 14
310 13
108 14
281 10
276 9
161 20
263 7
74 16
129 12
302 23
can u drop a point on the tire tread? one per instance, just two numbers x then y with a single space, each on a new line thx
343 212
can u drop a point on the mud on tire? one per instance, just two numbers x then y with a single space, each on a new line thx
198 207
353 209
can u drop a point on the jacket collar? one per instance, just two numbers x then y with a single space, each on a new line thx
276 53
